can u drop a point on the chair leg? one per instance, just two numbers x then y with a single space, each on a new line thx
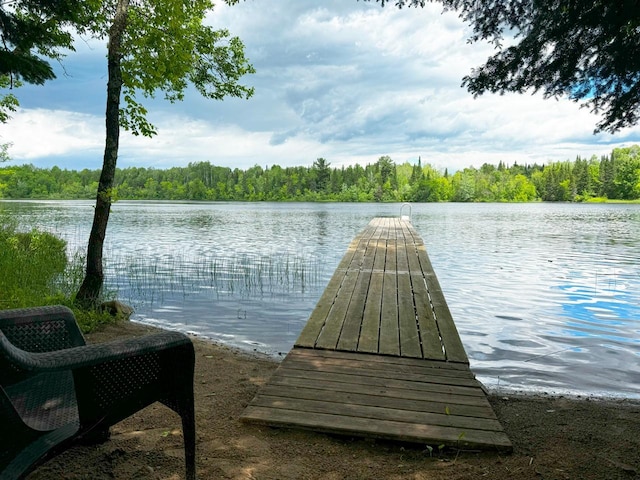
189 434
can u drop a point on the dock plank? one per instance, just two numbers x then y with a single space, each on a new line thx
370 326
354 317
407 404
435 385
453 348
429 334
410 341
385 361
435 394
389 334
317 320
365 371
389 363
401 431
375 412
350 333
389 331
328 337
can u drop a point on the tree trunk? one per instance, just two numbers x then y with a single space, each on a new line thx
89 293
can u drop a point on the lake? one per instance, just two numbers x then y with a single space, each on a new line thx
546 297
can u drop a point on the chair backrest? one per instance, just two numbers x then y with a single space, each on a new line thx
38 329
55 329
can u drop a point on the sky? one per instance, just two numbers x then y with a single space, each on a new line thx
348 81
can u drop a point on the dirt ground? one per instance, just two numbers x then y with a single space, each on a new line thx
553 438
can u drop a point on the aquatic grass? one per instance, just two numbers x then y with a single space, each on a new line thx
152 278
69 280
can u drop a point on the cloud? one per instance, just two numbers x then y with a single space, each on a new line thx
345 80
37 133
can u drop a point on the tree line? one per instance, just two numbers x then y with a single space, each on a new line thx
615 177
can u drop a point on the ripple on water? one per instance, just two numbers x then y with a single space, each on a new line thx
545 296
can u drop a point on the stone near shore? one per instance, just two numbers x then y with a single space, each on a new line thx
117 309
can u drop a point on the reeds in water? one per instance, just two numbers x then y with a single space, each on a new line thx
150 278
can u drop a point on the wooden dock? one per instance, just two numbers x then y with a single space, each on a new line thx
380 355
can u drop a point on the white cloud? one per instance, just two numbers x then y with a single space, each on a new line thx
344 80
38 133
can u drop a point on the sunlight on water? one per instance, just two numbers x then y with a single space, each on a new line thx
545 296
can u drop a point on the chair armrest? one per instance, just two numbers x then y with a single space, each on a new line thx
41 329
89 355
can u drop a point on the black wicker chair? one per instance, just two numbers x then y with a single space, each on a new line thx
55 389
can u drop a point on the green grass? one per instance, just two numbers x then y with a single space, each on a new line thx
606 200
35 271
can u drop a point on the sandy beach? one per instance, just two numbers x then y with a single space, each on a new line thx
553 437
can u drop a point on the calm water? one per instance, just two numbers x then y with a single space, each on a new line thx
545 296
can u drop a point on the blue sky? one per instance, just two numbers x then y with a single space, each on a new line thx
345 80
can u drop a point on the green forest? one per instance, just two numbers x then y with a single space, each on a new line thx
610 177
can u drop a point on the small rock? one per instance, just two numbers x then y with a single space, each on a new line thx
117 309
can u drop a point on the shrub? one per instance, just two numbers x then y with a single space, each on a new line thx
30 264
35 271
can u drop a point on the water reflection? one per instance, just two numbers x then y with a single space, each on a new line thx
545 296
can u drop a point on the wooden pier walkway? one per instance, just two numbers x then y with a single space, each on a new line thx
380 355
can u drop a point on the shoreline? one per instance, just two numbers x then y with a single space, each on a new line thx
489 390
553 437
